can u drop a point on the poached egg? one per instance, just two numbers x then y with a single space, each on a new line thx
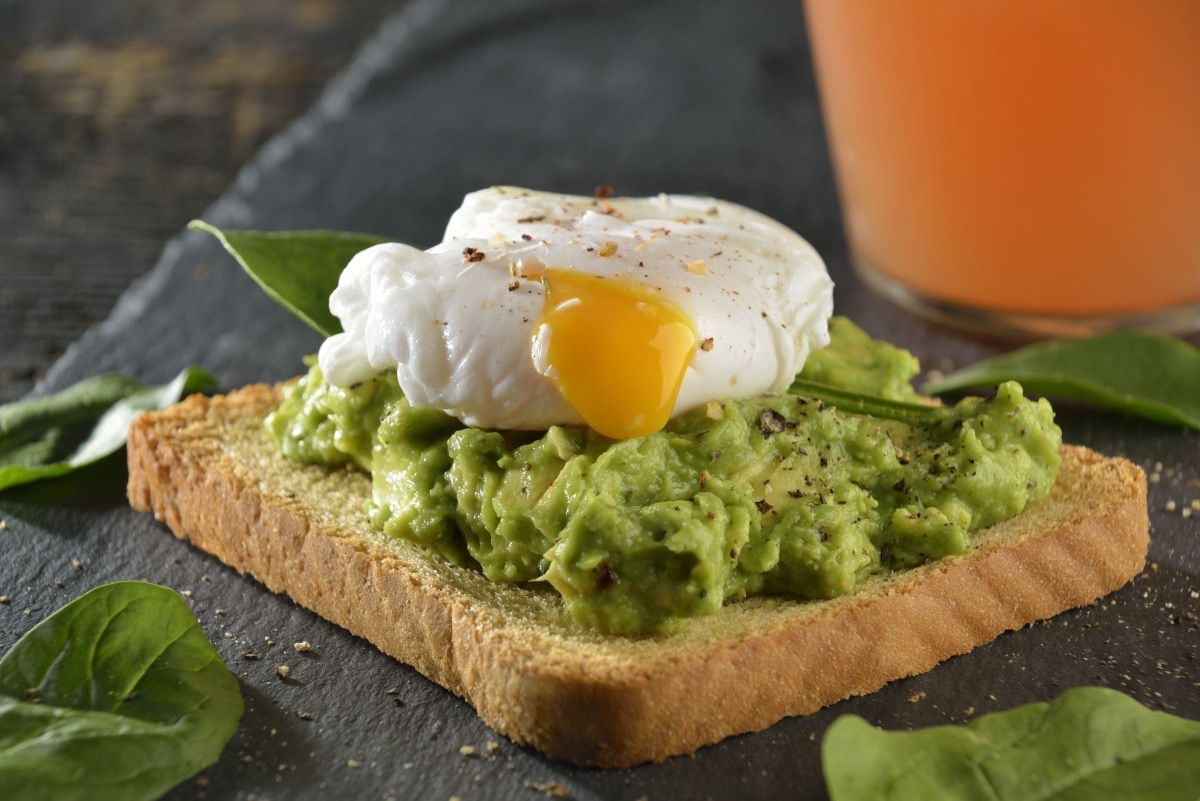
541 309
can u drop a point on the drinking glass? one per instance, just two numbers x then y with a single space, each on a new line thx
1019 166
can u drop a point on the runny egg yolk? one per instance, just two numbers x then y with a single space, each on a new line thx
617 351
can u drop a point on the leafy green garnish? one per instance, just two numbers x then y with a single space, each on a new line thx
1089 743
57 434
862 375
857 403
1146 375
118 695
298 269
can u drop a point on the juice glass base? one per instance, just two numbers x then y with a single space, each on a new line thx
1183 319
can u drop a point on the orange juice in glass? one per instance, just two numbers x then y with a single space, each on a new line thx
1023 166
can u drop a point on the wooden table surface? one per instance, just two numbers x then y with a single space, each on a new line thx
122 120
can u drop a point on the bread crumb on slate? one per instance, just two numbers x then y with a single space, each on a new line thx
549 789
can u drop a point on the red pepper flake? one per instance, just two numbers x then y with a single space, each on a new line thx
473 254
603 191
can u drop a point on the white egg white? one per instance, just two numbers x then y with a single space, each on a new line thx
458 322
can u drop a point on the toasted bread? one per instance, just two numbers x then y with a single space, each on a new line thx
208 469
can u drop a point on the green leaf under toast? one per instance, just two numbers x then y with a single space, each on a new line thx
51 436
297 269
118 695
1147 375
1089 743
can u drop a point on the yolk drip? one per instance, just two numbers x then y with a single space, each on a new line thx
617 351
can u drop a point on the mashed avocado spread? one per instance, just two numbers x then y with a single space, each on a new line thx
782 494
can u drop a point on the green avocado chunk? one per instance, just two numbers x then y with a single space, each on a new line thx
780 494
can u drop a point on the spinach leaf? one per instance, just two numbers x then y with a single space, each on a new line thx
1146 375
857 403
57 434
118 695
1089 743
297 269
862 375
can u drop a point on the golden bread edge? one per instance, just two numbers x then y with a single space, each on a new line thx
615 701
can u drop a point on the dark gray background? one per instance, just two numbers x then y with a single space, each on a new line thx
118 122
711 97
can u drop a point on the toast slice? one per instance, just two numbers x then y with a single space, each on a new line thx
209 471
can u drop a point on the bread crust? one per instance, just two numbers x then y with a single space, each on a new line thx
208 470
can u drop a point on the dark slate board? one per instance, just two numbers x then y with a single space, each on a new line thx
711 97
